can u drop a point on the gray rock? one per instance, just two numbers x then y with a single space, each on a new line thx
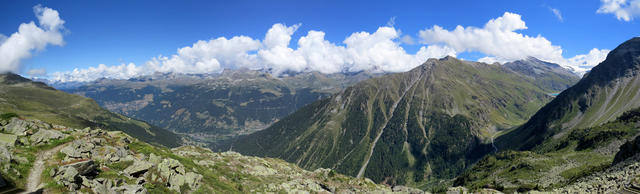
176 175
176 181
154 159
131 189
16 126
5 155
44 136
103 187
138 168
23 140
8 140
53 172
78 149
192 180
67 176
404 189
85 167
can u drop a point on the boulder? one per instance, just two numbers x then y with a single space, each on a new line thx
175 173
67 176
85 168
16 126
154 159
8 140
78 149
44 136
404 189
24 140
168 167
5 155
131 189
138 168
102 186
176 181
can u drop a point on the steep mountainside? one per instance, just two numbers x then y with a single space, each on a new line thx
574 136
420 126
45 158
558 161
38 101
213 107
610 89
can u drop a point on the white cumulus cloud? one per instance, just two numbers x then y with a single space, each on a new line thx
501 41
380 51
583 63
30 38
623 9
497 38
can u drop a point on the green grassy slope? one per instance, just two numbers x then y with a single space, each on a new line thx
36 100
423 126
610 89
556 162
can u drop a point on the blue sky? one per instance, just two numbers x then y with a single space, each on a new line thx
123 32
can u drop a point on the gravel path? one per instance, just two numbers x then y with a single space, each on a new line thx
35 174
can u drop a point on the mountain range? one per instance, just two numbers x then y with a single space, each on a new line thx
211 108
446 125
413 128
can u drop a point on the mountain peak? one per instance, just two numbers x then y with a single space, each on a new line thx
12 78
630 47
612 83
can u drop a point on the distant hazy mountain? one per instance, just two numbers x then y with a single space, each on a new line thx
213 107
417 127
546 75
38 101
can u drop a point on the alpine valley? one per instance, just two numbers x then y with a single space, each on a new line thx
212 108
319 97
448 125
